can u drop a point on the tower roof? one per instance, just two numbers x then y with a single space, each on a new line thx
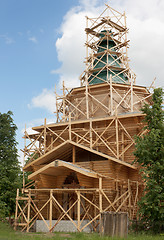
107 49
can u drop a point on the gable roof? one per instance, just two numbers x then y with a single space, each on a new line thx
64 150
56 168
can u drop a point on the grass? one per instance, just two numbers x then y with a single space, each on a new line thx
7 233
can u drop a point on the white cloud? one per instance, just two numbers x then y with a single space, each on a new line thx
33 39
45 100
70 46
145 20
7 39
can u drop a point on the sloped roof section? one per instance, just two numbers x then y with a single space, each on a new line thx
64 151
56 168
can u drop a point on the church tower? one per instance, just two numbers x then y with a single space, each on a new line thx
82 165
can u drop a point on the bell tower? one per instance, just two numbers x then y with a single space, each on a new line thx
82 164
107 49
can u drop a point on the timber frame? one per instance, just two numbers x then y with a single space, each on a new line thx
98 200
92 141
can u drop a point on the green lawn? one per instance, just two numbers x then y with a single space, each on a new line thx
7 233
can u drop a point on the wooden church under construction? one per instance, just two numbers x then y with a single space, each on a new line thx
82 166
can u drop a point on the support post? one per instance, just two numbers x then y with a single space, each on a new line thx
122 136
24 156
100 203
117 139
117 193
127 63
52 141
86 95
64 102
111 95
78 210
90 132
73 154
45 135
16 210
132 96
129 192
28 210
70 126
107 60
50 213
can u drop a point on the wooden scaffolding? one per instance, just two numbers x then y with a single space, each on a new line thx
82 165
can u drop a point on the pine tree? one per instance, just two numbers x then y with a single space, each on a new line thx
9 165
149 154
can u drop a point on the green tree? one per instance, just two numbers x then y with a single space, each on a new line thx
149 154
9 164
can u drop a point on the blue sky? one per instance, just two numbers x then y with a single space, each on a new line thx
42 43
28 32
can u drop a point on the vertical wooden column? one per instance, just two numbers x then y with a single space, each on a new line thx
100 203
50 213
45 135
64 102
117 137
86 75
24 155
28 209
132 95
94 201
78 210
127 63
16 210
117 193
129 192
122 138
111 95
107 60
73 154
90 133
70 126
51 141
135 201
87 103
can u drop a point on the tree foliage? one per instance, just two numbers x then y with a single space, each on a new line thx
9 165
149 154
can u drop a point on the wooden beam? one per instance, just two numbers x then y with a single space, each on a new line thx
45 135
111 96
73 154
28 210
50 211
78 210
